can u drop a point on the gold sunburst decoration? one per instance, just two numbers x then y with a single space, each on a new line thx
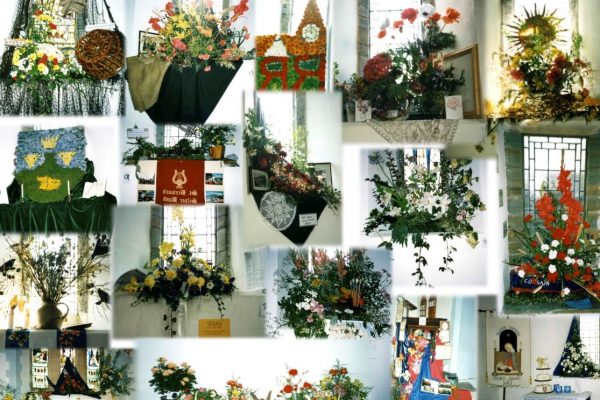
537 29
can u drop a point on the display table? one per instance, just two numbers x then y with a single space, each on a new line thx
558 396
48 338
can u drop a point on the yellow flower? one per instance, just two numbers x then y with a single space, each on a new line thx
150 281
192 280
65 156
225 278
201 281
42 69
31 159
165 249
170 274
132 286
14 301
316 283
16 57
157 273
44 17
155 262
178 262
32 57
178 215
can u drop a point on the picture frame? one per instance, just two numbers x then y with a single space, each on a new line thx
259 180
148 43
324 170
467 60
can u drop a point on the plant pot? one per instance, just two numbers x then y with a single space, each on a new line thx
350 116
50 316
216 152
390 114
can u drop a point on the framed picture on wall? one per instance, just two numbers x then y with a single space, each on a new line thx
148 43
467 61
323 172
259 180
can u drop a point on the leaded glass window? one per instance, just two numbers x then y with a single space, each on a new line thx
204 224
542 159
590 335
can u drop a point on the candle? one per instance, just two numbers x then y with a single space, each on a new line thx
69 188
22 191
11 318
26 319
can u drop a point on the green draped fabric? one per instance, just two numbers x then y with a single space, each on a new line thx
77 215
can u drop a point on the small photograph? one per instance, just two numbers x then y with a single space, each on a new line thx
518 364
186 278
213 179
422 362
87 373
213 197
145 196
259 180
148 44
286 371
329 293
323 173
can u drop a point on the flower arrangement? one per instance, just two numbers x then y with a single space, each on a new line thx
177 276
266 154
8 392
414 201
54 268
194 36
338 384
418 64
115 378
577 362
342 287
170 378
38 59
542 80
70 385
556 248
208 135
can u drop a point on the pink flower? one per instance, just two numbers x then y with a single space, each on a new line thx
309 318
179 45
204 57
207 68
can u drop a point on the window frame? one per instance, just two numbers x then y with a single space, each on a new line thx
391 13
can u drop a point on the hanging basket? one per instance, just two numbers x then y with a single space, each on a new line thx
100 53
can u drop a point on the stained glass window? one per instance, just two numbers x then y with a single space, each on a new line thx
379 10
542 158
204 224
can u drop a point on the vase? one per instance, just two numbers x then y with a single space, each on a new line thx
50 316
216 152
350 116
362 110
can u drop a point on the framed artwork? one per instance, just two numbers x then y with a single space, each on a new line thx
467 60
148 43
323 171
259 180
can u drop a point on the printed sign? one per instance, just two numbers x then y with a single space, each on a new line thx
214 327
308 219
180 182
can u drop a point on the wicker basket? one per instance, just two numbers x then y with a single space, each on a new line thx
100 53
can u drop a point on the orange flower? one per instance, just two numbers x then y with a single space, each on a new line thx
288 389
307 385
410 14
293 372
381 34
435 17
399 25
452 16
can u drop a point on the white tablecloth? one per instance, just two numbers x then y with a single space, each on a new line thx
559 396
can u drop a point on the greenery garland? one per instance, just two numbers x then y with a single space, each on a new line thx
342 287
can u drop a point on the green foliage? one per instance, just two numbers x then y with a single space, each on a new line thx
115 378
339 384
324 292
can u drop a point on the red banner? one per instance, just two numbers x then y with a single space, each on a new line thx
180 182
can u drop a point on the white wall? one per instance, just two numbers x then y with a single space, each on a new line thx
101 135
344 37
257 364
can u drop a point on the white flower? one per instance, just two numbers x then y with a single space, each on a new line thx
521 273
269 148
210 285
459 218
580 262
545 247
592 241
386 198
348 311
566 291
571 252
552 254
555 243
552 268
384 24
395 212
569 260
564 217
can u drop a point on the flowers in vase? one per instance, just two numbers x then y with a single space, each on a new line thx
413 201
339 385
555 244
343 287
115 378
541 79
177 275
170 378
194 36
295 387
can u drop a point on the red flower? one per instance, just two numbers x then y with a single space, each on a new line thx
52 26
568 277
38 12
288 389
586 224
545 260
410 14
154 23
307 385
333 372
382 34
452 16
239 10
553 75
587 277
538 257
435 17
399 25
170 9
343 371
293 372
552 277
377 67
534 244
528 218
561 255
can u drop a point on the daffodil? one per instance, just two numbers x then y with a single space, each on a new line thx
170 274
165 249
178 262
150 281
